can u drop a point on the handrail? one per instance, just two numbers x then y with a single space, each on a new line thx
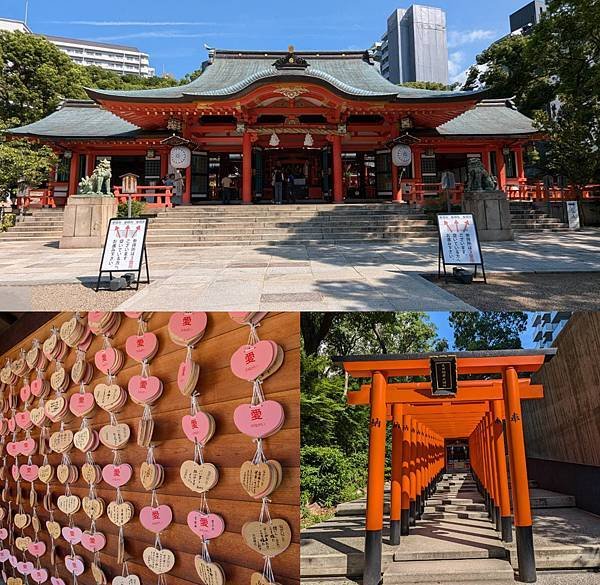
162 195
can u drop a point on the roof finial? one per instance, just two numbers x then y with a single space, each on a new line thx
290 48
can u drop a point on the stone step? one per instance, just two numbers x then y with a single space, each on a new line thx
477 571
449 515
284 222
454 507
268 233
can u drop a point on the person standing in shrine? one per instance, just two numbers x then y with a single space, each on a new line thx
278 181
226 185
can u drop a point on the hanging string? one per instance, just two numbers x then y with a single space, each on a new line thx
258 396
259 455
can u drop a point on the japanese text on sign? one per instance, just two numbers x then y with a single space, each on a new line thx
124 245
458 236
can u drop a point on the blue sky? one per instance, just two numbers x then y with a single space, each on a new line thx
445 331
174 33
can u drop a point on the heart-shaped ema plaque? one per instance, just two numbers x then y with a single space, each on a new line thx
199 478
260 579
53 528
119 514
22 520
141 347
82 404
68 504
110 397
206 526
159 561
93 507
156 519
115 436
259 420
129 580
22 542
187 328
74 564
269 539
209 573
61 441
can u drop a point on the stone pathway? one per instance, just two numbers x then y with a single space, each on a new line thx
358 277
454 542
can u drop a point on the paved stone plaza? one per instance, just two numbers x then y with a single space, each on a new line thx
300 278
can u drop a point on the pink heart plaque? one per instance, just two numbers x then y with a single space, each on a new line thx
144 390
3 534
37 387
12 559
25 567
117 475
206 526
72 534
93 542
27 446
57 581
15 472
37 549
196 427
187 326
249 362
4 553
74 564
39 575
29 472
13 448
24 419
261 420
106 360
25 393
141 347
156 519
81 403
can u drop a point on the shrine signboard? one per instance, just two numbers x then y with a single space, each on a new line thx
125 248
459 241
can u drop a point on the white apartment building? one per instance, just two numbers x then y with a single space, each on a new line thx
547 326
11 25
120 59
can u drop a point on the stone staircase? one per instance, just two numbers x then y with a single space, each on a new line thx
454 542
287 224
38 225
526 217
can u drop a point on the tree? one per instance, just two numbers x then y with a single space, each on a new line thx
506 70
21 161
487 331
35 77
431 85
566 46
100 78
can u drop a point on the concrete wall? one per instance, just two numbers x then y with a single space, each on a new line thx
589 212
562 431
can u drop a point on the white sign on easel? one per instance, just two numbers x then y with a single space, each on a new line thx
459 241
125 247
573 215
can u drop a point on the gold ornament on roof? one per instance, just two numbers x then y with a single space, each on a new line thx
291 92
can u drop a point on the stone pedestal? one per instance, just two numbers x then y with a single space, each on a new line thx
86 221
491 211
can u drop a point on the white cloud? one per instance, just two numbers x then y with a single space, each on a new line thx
459 38
456 63
130 23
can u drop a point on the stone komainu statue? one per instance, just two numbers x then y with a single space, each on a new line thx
478 178
99 182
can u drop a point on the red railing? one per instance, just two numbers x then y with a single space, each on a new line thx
421 191
161 194
37 198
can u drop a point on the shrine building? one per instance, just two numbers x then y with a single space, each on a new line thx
329 118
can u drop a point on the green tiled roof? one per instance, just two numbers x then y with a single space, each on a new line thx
232 72
489 118
79 119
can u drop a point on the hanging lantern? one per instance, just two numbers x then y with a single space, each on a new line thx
274 140
308 140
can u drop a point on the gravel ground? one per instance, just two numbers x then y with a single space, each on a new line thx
574 291
75 297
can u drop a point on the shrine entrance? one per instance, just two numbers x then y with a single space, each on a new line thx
472 403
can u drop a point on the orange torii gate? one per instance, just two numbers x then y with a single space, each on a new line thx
424 415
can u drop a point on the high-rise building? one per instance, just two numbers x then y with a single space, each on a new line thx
547 326
527 17
120 59
415 45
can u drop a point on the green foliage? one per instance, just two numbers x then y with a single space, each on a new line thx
329 476
430 85
8 221
483 331
506 70
35 77
22 161
100 78
137 209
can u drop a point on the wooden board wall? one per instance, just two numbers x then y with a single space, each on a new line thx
221 392
565 425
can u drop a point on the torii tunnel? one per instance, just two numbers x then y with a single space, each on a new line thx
486 411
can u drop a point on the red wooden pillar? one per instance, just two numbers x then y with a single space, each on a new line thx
505 517
164 163
187 192
247 169
417 172
338 180
73 168
501 164
405 514
396 190
518 477
413 472
520 163
376 481
396 491
90 164
485 159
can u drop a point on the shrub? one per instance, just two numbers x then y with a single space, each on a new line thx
328 477
137 208
8 221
